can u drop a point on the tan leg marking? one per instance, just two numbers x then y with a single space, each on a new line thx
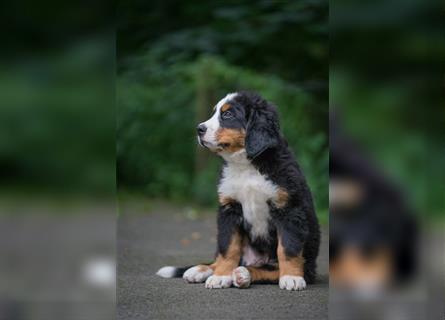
291 266
203 268
224 264
281 198
258 274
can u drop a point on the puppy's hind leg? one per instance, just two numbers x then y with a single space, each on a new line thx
198 273
243 276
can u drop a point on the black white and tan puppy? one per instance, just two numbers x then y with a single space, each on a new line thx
267 227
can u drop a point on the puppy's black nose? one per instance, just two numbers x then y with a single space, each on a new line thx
201 129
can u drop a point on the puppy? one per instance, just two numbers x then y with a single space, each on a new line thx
267 227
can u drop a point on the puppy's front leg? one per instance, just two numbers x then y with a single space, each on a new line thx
291 268
229 246
292 233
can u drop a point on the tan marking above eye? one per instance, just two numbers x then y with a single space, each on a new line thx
225 107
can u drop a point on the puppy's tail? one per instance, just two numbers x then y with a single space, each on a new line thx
172 272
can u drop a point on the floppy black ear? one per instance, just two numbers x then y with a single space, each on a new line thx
262 131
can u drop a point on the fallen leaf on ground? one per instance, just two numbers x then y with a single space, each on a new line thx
196 236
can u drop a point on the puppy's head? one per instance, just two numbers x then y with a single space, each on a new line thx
241 121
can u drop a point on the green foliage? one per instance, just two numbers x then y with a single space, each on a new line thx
385 82
56 124
386 125
156 145
176 59
286 38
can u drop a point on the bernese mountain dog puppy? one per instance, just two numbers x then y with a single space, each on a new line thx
267 227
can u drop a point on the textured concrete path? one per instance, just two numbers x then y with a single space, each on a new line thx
148 241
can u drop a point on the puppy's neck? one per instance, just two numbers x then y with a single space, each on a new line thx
238 158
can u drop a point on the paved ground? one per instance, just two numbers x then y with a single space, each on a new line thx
147 242
57 260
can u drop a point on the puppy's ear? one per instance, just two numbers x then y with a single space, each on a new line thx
262 131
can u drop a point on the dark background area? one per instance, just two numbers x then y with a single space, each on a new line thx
386 82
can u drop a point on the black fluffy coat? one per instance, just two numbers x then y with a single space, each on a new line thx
268 151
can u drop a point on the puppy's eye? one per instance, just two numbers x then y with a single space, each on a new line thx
227 115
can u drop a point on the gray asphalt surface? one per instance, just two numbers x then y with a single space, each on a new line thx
148 241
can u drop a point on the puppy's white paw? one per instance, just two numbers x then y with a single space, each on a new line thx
241 277
292 283
218 282
197 274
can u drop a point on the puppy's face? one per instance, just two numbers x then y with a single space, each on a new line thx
225 131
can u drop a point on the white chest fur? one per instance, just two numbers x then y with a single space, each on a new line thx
243 182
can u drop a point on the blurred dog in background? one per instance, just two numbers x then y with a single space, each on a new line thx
373 234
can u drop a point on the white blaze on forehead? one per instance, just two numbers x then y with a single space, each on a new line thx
213 123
